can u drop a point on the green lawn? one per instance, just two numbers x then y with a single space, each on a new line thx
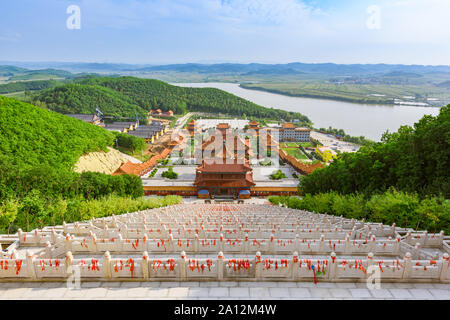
297 153
296 144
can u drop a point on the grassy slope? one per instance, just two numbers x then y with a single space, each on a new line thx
30 135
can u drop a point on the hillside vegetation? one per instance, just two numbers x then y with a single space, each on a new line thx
27 85
127 96
412 160
32 136
406 210
38 150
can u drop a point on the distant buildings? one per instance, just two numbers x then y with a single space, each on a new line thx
89 118
160 113
288 132
122 126
149 132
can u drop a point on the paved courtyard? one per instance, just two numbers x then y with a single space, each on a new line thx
222 291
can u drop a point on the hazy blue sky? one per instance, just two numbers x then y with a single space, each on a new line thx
268 31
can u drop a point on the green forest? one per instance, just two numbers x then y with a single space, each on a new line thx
413 159
27 86
128 96
38 149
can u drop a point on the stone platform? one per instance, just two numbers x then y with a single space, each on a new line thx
222 291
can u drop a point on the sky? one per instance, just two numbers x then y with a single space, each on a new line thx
212 31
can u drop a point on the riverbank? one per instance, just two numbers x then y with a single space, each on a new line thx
320 96
353 93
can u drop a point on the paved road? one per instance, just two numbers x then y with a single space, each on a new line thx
222 291
330 141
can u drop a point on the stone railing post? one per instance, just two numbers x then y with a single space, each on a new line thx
416 252
220 265
332 265
30 265
258 266
322 243
240 233
171 245
64 227
370 260
69 263
407 237
94 242
105 232
348 248
353 232
393 229
107 264
68 243
196 243
336 231
397 245
54 235
113 221
245 247
372 244
145 273
20 234
164 231
144 242
182 264
272 245
408 266
297 243
37 235
294 264
125 231
445 267
202 231
48 250
221 242
441 237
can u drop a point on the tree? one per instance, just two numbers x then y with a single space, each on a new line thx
8 214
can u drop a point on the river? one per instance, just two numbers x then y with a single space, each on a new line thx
355 118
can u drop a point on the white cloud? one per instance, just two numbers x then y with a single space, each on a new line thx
279 12
10 37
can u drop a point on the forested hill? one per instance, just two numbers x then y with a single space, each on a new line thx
126 96
31 136
412 159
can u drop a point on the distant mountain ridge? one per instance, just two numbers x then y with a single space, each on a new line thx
241 68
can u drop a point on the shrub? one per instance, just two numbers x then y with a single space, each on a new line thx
170 174
277 175
403 209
